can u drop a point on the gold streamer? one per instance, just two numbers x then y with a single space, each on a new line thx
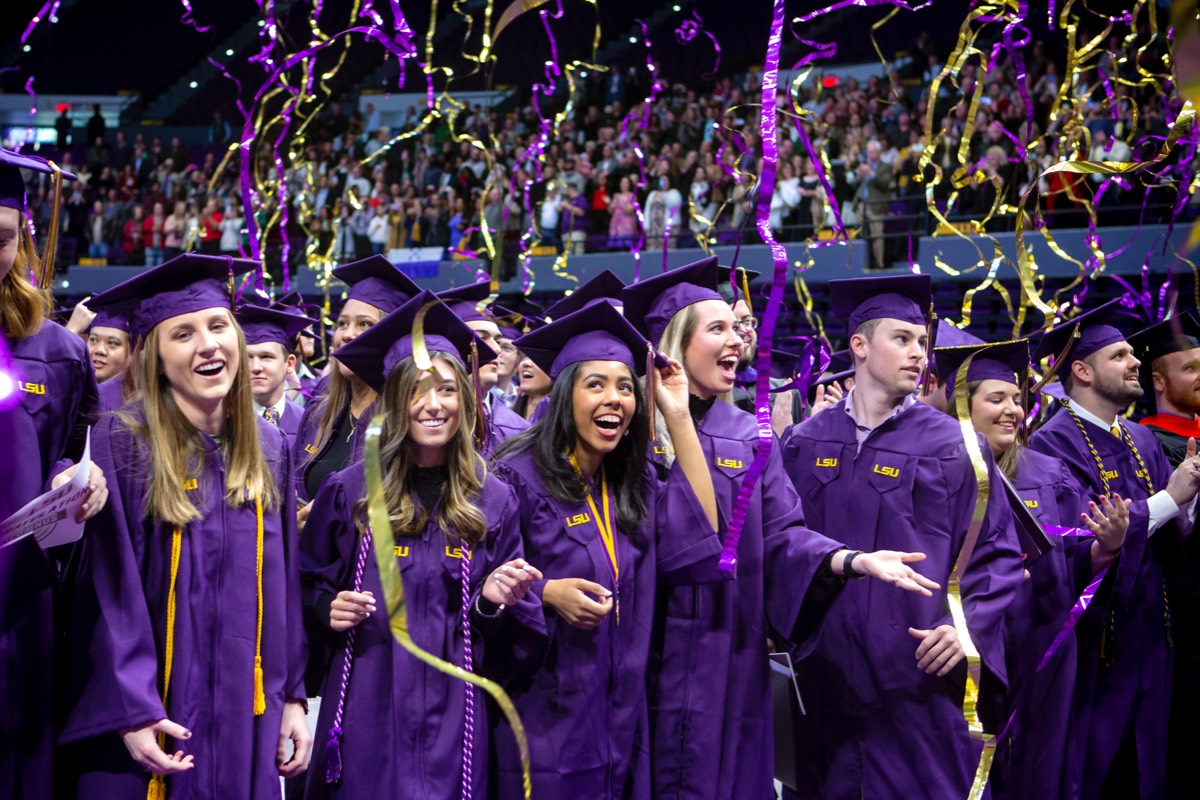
954 587
393 590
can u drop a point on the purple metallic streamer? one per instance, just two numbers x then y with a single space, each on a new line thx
689 29
1073 617
188 17
766 185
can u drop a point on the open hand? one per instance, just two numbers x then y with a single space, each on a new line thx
892 567
142 744
1109 521
509 582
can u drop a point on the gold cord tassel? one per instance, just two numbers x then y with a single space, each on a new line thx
260 696
45 270
157 790
650 383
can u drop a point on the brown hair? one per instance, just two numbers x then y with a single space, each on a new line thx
337 397
175 445
458 515
23 306
1010 459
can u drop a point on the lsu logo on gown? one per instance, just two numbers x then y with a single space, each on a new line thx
401 551
308 448
827 462
891 472
1109 474
31 388
190 485
1031 503
453 552
578 519
729 463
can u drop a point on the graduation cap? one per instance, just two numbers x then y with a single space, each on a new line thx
594 333
735 281
187 283
464 300
263 324
12 195
376 351
841 366
1174 335
292 299
907 298
1003 361
103 319
650 304
604 287
12 183
1081 336
950 335
377 282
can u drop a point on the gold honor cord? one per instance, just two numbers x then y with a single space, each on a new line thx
393 591
954 589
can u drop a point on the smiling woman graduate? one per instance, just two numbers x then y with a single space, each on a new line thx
604 529
390 725
186 647
713 727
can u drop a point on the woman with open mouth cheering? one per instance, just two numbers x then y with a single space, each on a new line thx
187 653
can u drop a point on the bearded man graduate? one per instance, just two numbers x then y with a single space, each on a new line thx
884 685
1123 683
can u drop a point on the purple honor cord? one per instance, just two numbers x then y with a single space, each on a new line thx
333 745
766 184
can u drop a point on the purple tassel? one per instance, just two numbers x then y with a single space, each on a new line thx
333 756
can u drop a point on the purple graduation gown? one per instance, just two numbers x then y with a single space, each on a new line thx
503 423
876 725
305 452
118 629
709 683
584 709
1037 757
1127 689
111 396
289 421
42 435
403 721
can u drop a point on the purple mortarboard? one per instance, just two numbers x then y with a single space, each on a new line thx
263 324
511 323
464 300
841 366
904 297
186 283
377 282
1080 336
594 333
104 319
1003 361
950 335
374 353
292 299
731 290
650 304
604 287
12 183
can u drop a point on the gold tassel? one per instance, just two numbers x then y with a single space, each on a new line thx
260 696
157 790
651 377
45 270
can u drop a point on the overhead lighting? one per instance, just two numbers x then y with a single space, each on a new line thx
229 52
193 84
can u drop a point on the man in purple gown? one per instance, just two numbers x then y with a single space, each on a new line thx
270 338
1125 639
884 684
